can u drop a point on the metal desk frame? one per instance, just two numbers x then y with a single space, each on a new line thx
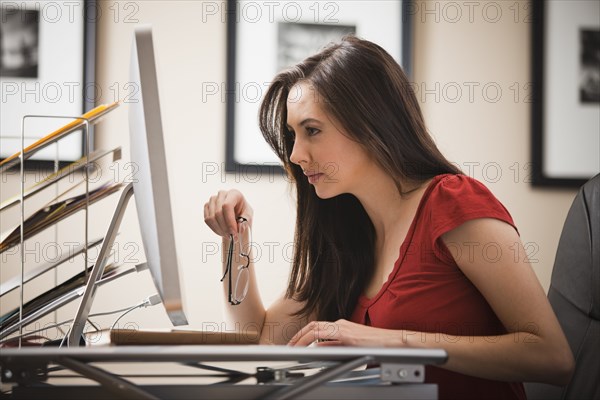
29 367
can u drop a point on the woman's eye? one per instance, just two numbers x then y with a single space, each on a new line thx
312 131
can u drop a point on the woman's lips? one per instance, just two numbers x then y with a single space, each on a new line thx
314 178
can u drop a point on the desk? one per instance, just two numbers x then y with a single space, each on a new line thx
401 372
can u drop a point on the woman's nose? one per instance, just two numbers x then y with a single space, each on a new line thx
298 155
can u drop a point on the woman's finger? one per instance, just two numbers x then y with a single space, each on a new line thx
315 331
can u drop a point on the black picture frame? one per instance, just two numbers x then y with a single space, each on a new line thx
260 168
539 138
87 15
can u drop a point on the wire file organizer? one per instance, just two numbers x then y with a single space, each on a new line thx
85 165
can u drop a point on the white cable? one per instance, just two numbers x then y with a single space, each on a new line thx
148 301
124 314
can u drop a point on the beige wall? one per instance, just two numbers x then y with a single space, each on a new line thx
490 137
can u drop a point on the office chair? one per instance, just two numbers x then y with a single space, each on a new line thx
575 296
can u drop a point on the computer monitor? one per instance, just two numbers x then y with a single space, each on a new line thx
151 183
150 189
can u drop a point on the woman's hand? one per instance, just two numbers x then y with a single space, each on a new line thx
221 211
346 333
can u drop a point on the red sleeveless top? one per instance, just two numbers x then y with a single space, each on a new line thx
427 292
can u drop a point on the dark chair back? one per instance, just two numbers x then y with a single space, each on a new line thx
575 296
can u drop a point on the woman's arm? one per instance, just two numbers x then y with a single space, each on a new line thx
220 214
280 322
535 348
275 325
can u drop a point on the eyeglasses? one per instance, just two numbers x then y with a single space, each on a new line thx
242 279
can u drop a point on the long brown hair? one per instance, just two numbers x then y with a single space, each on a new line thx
361 86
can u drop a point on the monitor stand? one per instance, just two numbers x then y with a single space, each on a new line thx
76 329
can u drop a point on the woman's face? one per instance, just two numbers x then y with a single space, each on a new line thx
332 161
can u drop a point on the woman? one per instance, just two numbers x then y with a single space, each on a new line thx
393 245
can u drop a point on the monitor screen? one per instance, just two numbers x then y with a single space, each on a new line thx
151 186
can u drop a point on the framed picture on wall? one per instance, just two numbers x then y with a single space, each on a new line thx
265 37
47 67
566 92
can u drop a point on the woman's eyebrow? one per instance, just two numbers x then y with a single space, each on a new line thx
308 121
304 122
